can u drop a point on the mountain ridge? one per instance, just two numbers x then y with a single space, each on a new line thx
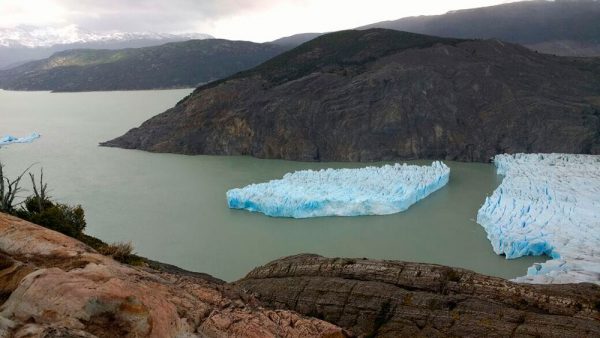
171 65
31 36
539 25
27 43
437 98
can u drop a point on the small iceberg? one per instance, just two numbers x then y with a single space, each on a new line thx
342 192
547 204
6 140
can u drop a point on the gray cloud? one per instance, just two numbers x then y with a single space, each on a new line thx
155 15
256 20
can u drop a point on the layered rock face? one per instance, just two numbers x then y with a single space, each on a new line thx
396 299
386 95
54 286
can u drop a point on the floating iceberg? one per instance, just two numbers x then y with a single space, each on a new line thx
547 204
6 140
342 192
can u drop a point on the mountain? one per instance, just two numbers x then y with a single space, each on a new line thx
31 36
563 27
385 95
178 64
295 40
26 43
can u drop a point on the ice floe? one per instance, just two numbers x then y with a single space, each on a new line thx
342 192
547 204
6 140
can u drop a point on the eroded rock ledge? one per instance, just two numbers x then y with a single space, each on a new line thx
393 299
54 286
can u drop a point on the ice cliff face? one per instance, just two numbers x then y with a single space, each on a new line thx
343 192
6 140
547 204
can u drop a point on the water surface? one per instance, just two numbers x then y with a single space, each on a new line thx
173 207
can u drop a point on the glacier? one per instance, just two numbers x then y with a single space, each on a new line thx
342 192
6 140
547 204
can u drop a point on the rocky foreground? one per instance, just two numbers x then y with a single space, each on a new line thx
397 299
54 286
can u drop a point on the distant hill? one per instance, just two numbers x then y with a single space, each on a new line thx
179 64
562 27
27 43
296 39
379 94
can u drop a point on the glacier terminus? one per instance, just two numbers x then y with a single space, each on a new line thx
547 204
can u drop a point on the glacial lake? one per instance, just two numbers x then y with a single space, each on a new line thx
173 207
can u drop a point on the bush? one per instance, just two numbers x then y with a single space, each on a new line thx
68 220
118 251
122 252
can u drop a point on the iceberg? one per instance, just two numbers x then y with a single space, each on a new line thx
547 204
6 140
342 192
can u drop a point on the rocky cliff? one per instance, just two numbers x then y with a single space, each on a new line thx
397 299
385 95
54 286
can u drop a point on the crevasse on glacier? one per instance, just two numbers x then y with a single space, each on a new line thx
547 204
6 140
342 192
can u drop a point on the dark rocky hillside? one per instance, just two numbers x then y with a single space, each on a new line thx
172 65
567 28
385 95
562 27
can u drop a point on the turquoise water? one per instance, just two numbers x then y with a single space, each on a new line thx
173 207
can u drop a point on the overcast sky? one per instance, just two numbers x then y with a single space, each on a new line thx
255 20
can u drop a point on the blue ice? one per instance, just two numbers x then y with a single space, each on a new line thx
547 204
342 192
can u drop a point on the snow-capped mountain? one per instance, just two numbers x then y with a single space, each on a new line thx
26 43
31 36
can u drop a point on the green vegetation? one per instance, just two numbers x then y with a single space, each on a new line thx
172 65
336 51
39 208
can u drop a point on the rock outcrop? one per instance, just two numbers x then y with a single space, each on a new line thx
54 286
396 299
387 95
